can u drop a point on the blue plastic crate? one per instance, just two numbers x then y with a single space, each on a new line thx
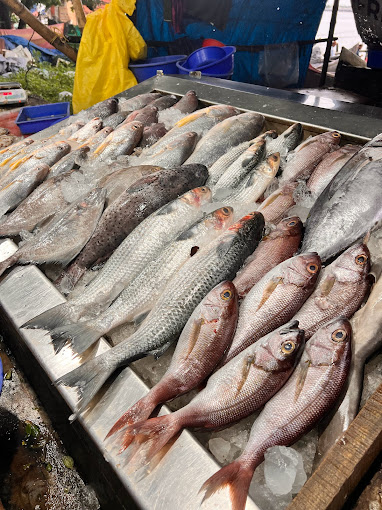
32 119
145 69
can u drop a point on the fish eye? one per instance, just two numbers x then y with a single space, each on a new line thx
226 295
291 223
361 260
312 268
335 135
225 210
339 335
288 347
203 189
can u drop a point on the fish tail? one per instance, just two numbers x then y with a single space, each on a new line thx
10 261
50 319
88 379
139 412
81 336
68 278
234 476
148 438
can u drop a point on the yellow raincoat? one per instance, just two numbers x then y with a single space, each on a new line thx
108 43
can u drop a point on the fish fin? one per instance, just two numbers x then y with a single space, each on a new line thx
50 319
366 239
80 335
18 162
194 334
10 261
88 379
234 476
138 319
248 361
301 376
157 353
139 412
189 118
271 286
101 147
148 438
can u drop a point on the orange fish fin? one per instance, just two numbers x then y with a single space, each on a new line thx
301 376
269 289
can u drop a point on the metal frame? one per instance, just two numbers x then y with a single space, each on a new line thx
26 292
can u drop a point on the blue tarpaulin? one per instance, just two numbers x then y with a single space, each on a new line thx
250 23
12 41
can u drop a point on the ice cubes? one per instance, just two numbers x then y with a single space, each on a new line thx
284 470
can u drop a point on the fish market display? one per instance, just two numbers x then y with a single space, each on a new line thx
15 191
233 392
129 209
310 392
309 154
161 243
64 238
228 133
139 297
274 300
279 245
129 259
342 287
218 261
175 153
253 186
201 344
349 206
329 167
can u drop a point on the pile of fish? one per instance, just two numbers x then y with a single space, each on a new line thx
185 211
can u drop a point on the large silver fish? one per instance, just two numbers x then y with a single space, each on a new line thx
63 238
274 300
128 210
225 161
228 133
218 261
233 392
129 259
349 206
121 141
286 142
138 298
175 153
307 396
87 131
137 102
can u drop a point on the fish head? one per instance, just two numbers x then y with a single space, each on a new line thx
221 218
353 265
196 173
95 124
268 135
106 130
271 165
184 140
221 302
332 138
302 270
197 196
222 111
41 170
331 343
283 345
293 135
248 227
291 226
60 149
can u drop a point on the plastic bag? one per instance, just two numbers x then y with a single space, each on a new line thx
279 66
108 43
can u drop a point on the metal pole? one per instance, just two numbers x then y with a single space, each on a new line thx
52 37
329 43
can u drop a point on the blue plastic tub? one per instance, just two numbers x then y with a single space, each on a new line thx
212 59
225 76
32 119
144 69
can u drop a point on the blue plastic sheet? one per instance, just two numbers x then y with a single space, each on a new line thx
250 23
46 55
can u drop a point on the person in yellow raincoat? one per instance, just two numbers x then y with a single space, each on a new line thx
108 42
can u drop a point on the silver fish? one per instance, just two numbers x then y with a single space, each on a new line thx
68 162
225 161
137 102
138 298
121 141
175 153
225 135
218 261
91 128
349 206
63 238
286 142
138 249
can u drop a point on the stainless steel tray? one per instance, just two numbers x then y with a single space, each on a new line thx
25 292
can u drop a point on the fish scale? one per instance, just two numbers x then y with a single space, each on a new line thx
218 261
140 296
